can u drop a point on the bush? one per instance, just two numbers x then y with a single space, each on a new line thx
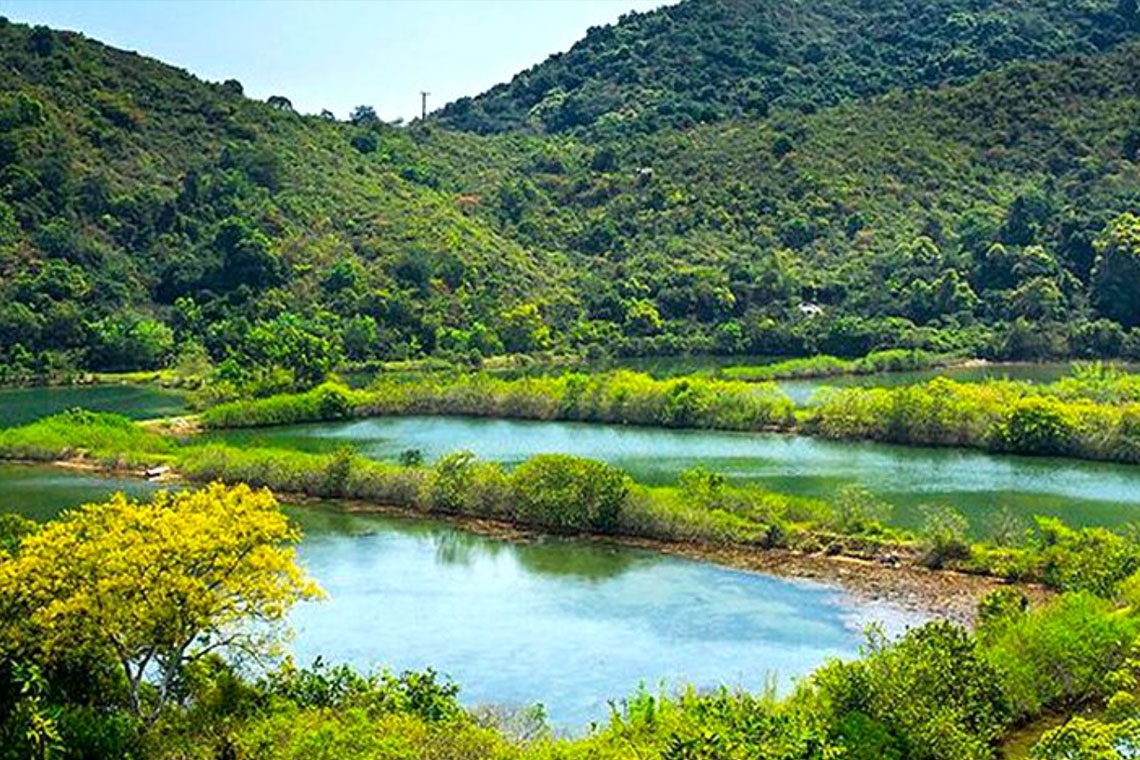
1087 739
569 494
1035 426
1086 559
930 696
1061 655
324 403
945 532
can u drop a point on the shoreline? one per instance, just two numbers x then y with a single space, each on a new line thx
948 594
898 581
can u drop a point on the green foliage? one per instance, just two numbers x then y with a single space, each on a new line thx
699 62
625 397
1116 275
326 402
569 493
128 342
143 209
1095 560
1059 656
1089 740
876 362
339 687
1035 426
13 529
932 695
858 510
108 438
1090 415
945 530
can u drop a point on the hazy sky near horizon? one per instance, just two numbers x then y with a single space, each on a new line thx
338 54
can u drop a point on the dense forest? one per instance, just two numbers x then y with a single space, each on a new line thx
953 176
699 62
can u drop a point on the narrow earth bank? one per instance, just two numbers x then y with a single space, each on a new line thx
896 580
938 593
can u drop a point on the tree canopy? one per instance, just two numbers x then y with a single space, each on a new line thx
154 586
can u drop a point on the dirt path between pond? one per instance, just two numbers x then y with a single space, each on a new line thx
900 583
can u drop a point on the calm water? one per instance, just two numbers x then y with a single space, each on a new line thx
978 484
41 493
21 405
565 623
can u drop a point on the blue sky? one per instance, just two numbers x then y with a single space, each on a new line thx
338 54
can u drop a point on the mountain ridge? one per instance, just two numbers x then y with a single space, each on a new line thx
702 61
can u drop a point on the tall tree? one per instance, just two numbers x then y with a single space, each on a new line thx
1116 274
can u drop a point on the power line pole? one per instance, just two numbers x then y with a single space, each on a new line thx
423 104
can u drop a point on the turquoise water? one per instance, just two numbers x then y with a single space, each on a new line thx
22 405
978 484
565 623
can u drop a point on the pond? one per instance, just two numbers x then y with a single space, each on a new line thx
566 623
22 405
978 484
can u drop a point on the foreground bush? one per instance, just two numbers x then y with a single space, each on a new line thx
930 696
151 586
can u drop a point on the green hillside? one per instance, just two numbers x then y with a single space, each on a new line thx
963 217
702 61
136 200
150 219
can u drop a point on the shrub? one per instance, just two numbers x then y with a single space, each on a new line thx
932 692
1086 559
1059 656
945 531
1035 425
568 493
1089 739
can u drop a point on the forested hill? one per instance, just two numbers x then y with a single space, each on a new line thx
702 61
144 213
150 219
988 216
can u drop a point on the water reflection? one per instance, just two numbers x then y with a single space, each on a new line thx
566 623
460 548
589 562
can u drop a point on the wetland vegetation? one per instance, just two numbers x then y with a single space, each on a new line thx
858 203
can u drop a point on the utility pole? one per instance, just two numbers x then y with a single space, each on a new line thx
423 104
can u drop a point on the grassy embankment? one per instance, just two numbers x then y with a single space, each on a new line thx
571 495
1095 414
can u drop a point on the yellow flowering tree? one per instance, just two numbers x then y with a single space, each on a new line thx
155 585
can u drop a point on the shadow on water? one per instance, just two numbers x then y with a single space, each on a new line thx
455 546
587 562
